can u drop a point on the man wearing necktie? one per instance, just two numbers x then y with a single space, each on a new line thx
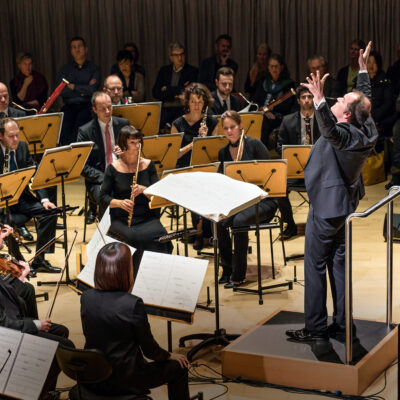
28 205
223 100
103 131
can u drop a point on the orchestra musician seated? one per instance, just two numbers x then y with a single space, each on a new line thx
117 190
28 206
115 322
18 310
234 265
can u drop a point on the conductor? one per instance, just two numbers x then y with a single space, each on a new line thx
335 186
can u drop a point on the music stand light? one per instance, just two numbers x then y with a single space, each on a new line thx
40 132
205 149
143 116
162 150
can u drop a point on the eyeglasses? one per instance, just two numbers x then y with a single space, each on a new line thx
178 54
115 89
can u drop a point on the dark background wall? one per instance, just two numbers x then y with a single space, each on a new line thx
294 28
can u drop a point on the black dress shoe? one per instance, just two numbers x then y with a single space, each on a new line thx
32 273
90 217
289 232
224 279
233 285
198 243
23 231
42 265
304 335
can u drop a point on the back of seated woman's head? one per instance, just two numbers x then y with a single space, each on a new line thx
114 268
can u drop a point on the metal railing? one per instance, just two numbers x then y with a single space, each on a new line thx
394 192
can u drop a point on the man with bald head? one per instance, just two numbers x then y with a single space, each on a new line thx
114 88
334 186
4 102
103 131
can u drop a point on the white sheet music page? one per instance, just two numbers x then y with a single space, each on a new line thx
10 340
31 367
87 273
170 281
214 196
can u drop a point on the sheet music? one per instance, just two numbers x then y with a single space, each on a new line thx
10 340
214 196
87 274
31 367
170 281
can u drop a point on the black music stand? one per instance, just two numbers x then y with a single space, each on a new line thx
62 165
205 149
162 150
143 116
40 132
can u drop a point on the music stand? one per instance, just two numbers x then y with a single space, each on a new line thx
269 176
251 123
143 116
162 150
62 165
40 132
205 149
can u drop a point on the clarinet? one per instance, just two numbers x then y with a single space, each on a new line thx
307 121
6 165
204 121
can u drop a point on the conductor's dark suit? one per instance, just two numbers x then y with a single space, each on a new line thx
29 206
93 171
116 323
217 108
334 185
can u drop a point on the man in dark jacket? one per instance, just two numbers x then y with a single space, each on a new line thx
334 186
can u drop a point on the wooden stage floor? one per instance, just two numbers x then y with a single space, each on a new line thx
239 311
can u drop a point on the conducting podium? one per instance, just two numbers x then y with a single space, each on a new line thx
270 176
162 150
215 197
251 123
145 117
205 149
40 132
59 166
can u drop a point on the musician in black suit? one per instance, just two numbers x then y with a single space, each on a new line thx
98 130
223 100
28 205
115 322
293 130
5 101
334 185
171 82
18 310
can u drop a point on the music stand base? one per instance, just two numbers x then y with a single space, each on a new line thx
219 337
71 283
260 291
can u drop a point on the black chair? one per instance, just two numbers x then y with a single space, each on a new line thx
88 367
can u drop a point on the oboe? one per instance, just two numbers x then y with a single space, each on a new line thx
6 165
203 123
134 182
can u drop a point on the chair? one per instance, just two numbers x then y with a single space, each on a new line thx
271 177
88 366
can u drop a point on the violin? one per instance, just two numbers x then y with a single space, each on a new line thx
15 235
10 266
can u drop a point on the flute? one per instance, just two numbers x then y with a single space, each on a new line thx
240 147
134 182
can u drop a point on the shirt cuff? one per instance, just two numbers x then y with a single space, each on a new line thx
44 200
38 324
362 71
317 106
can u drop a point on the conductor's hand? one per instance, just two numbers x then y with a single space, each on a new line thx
46 324
180 358
316 86
48 205
363 57
126 205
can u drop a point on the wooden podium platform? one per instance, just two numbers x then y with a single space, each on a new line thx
265 354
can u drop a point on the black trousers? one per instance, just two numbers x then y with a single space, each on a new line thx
94 198
324 249
75 115
27 208
236 264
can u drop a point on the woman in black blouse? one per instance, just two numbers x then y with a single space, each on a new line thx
116 193
195 99
115 322
234 265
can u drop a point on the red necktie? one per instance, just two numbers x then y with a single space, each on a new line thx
109 156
